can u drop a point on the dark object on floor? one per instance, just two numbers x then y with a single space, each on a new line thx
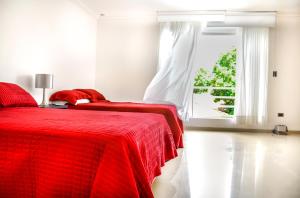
280 129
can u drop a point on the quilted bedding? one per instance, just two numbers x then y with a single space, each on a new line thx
168 111
69 153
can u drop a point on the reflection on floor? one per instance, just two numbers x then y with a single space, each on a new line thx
233 165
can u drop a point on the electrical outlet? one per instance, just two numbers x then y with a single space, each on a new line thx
280 114
274 74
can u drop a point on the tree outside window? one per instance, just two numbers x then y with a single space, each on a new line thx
222 76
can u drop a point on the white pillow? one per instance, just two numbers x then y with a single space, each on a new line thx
61 102
82 101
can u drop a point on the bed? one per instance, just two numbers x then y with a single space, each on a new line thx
71 153
168 111
96 101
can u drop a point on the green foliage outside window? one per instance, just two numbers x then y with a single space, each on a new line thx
223 75
202 79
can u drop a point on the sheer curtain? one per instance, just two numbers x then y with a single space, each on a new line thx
178 54
252 77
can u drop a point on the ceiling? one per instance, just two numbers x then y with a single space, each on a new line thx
149 7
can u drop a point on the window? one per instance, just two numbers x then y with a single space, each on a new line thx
215 81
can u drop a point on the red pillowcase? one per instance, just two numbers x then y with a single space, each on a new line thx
71 96
12 95
95 95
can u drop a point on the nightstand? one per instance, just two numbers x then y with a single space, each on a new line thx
51 106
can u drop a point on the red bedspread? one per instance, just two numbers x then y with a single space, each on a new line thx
68 153
169 111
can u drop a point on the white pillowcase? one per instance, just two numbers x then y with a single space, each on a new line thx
61 102
82 101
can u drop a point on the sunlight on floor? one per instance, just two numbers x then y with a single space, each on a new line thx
224 165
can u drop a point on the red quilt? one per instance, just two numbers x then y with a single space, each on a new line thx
169 111
67 153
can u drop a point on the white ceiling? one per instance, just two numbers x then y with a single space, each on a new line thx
149 7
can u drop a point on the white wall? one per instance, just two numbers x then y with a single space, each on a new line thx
126 56
47 36
284 91
59 37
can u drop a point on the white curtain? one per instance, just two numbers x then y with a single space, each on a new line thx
178 54
252 77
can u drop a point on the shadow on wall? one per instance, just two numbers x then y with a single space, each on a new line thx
25 81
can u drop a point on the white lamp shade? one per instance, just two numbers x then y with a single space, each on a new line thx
44 81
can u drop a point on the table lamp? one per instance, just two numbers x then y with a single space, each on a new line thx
44 81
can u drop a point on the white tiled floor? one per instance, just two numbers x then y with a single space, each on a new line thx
233 165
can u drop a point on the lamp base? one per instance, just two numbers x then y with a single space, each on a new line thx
44 103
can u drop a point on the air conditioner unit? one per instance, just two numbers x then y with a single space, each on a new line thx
218 31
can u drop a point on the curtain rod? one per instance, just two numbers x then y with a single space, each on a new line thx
215 12
221 18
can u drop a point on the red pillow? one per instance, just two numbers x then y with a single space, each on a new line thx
95 95
71 96
12 95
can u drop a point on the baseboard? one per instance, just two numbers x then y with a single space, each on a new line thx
228 129
233 130
294 132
